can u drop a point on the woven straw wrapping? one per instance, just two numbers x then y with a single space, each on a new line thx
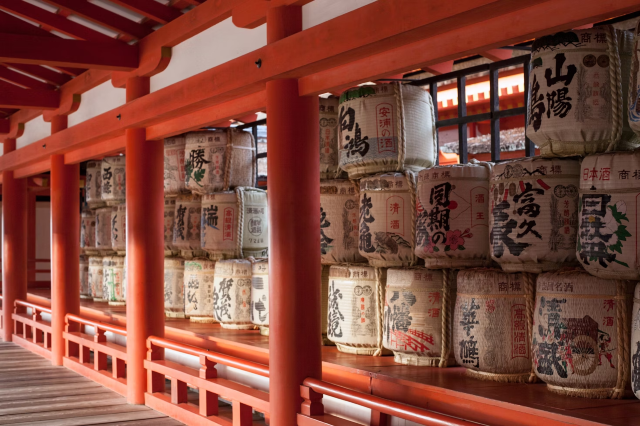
85 287
235 224
452 224
232 294
578 85
633 104
96 282
339 214
198 288
174 287
490 332
219 160
186 225
103 230
534 214
88 232
329 138
113 276
608 237
260 295
114 184
386 128
93 184
119 229
174 172
169 223
387 220
635 343
324 307
581 334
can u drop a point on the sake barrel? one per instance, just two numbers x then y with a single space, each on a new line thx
491 334
414 312
235 224
387 220
355 318
103 230
198 288
96 281
88 232
119 229
329 138
608 236
534 214
260 295
113 276
452 223
218 160
93 184
85 287
174 287
232 294
169 223
174 174
324 308
635 343
113 180
339 215
385 128
581 334
578 92
186 228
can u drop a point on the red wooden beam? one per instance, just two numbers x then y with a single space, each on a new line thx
253 13
51 77
70 93
12 96
5 126
151 9
22 80
75 53
497 54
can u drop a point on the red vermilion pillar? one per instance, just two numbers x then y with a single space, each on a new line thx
31 232
14 245
145 246
65 244
294 211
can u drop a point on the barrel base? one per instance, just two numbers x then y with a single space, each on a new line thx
360 351
238 326
90 252
496 377
117 303
171 314
534 268
359 171
114 203
264 330
203 320
86 297
600 393
617 275
95 204
444 263
555 148
376 263
99 299
413 359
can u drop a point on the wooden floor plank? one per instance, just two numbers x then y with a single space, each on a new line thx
84 412
35 382
28 393
99 420
151 422
36 404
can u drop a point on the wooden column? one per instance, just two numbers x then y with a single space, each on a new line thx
65 245
145 246
294 213
14 244
31 233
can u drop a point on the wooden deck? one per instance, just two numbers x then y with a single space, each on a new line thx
33 392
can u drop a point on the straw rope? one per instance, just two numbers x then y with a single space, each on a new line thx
402 142
447 276
615 77
240 231
411 180
529 289
623 336
380 311
498 377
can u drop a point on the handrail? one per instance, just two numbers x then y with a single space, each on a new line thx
240 364
396 409
25 304
102 326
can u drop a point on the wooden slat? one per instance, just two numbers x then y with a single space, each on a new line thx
102 419
60 399
84 413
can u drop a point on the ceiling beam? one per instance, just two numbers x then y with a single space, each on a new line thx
22 80
15 97
67 53
150 9
49 76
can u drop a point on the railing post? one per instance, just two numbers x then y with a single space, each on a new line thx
118 367
155 380
312 404
37 316
99 358
178 391
208 400
242 414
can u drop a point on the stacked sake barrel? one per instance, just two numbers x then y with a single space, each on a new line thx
113 270
260 295
198 290
174 287
85 287
232 294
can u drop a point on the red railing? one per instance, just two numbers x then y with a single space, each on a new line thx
174 401
382 409
81 346
30 331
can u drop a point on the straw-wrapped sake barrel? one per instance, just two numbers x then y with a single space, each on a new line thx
339 215
119 229
635 343
93 184
218 160
385 128
186 227
169 223
174 287
534 214
260 295
198 290
88 232
85 287
329 147
103 230
355 318
113 276
418 304
235 224
633 101
578 92
96 281
232 294
452 223
324 308
608 235
581 334
387 220
174 174
491 333
113 180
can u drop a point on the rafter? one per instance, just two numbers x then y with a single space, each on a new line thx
22 80
151 9
15 97
42 73
74 53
